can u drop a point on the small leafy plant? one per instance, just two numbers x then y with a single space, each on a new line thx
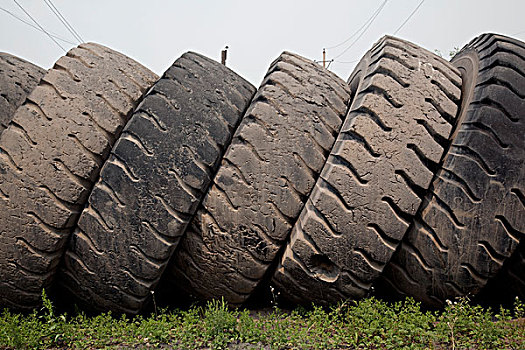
365 324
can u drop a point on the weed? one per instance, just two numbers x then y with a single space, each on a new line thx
365 324
220 325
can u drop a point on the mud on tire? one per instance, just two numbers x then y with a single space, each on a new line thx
473 218
405 101
263 182
51 154
152 183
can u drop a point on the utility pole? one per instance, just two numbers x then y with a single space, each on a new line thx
224 53
324 58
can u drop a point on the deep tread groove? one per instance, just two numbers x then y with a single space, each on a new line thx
432 166
387 240
494 255
496 105
339 160
514 234
401 215
418 190
482 128
373 115
354 136
321 216
447 116
325 185
447 210
470 153
444 142
378 90
475 274
501 82
17 79
449 176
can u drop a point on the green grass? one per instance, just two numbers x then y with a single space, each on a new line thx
367 324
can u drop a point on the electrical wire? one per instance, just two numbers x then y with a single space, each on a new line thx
49 35
357 31
408 18
32 25
518 33
64 21
364 30
376 14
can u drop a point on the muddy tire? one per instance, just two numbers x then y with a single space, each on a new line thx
152 183
383 162
263 182
17 79
50 155
474 217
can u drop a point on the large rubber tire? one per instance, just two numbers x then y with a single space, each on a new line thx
384 159
152 183
263 182
474 216
17 79
51 154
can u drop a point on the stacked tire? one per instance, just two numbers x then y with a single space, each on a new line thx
152 183
407 180
51 153
473 218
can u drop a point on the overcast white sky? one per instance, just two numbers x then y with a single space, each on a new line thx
156 33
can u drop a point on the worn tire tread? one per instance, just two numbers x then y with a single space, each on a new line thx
18 78
57 152
475 218
263 182
155 177
352 225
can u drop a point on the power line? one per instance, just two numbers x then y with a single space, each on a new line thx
60 19
371 20
518 33
32 25
64 21
49 35
408 18
357 31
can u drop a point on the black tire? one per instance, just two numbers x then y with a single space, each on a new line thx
263 182
18 78
51 154
474 217
509 283
381 165
152 183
